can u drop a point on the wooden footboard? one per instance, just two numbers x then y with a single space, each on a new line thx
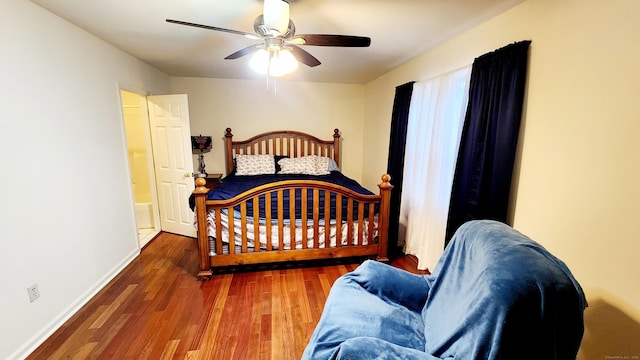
364 220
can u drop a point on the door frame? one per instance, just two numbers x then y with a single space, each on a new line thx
150 165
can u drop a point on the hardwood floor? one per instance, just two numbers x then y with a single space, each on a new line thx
156 309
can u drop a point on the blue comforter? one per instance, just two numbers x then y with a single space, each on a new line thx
235 185
494 294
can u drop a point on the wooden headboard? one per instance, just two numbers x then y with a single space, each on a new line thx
283 142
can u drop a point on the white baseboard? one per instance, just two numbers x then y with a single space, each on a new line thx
56 323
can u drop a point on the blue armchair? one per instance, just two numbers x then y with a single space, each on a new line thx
494 294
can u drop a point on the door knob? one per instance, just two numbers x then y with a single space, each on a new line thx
187 175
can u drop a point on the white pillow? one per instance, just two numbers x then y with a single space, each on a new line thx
255 164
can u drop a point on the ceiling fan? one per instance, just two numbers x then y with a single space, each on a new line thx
278 35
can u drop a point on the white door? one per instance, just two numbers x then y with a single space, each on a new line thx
171 138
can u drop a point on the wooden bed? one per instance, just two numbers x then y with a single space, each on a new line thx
365 234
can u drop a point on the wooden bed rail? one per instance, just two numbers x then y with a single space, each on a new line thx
379 249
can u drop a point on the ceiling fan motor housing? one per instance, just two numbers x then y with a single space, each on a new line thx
265 31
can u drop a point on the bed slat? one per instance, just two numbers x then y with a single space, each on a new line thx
280 220
232 235
256 222
339 216
349 221
316 222
303 201
218 215
267 202
360 222
327 217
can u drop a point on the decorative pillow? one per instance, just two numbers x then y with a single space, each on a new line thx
322 165
255 164
299 165
308 165
325 165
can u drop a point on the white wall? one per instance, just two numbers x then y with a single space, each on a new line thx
576 190
66 208
247 107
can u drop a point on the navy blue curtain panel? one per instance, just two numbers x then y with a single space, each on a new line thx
482 179
395 161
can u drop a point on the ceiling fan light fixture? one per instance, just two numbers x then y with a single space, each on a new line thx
282 63
275 62
260 61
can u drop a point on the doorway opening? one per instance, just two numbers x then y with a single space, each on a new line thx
140 155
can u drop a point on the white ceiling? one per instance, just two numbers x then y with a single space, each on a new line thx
399 30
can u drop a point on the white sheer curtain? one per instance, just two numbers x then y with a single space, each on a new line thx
436 115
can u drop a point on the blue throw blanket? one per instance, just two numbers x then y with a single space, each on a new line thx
494 294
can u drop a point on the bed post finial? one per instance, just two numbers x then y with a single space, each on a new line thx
227 133
200 185
385 179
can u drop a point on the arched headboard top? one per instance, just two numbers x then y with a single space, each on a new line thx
284 143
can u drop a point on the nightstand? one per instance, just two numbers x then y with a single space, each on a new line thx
213 180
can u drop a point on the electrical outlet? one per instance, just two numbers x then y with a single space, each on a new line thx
34 293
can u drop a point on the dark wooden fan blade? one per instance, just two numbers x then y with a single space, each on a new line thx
243 52
304 57
334 40
212 28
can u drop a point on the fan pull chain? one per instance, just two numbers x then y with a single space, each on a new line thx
275 79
